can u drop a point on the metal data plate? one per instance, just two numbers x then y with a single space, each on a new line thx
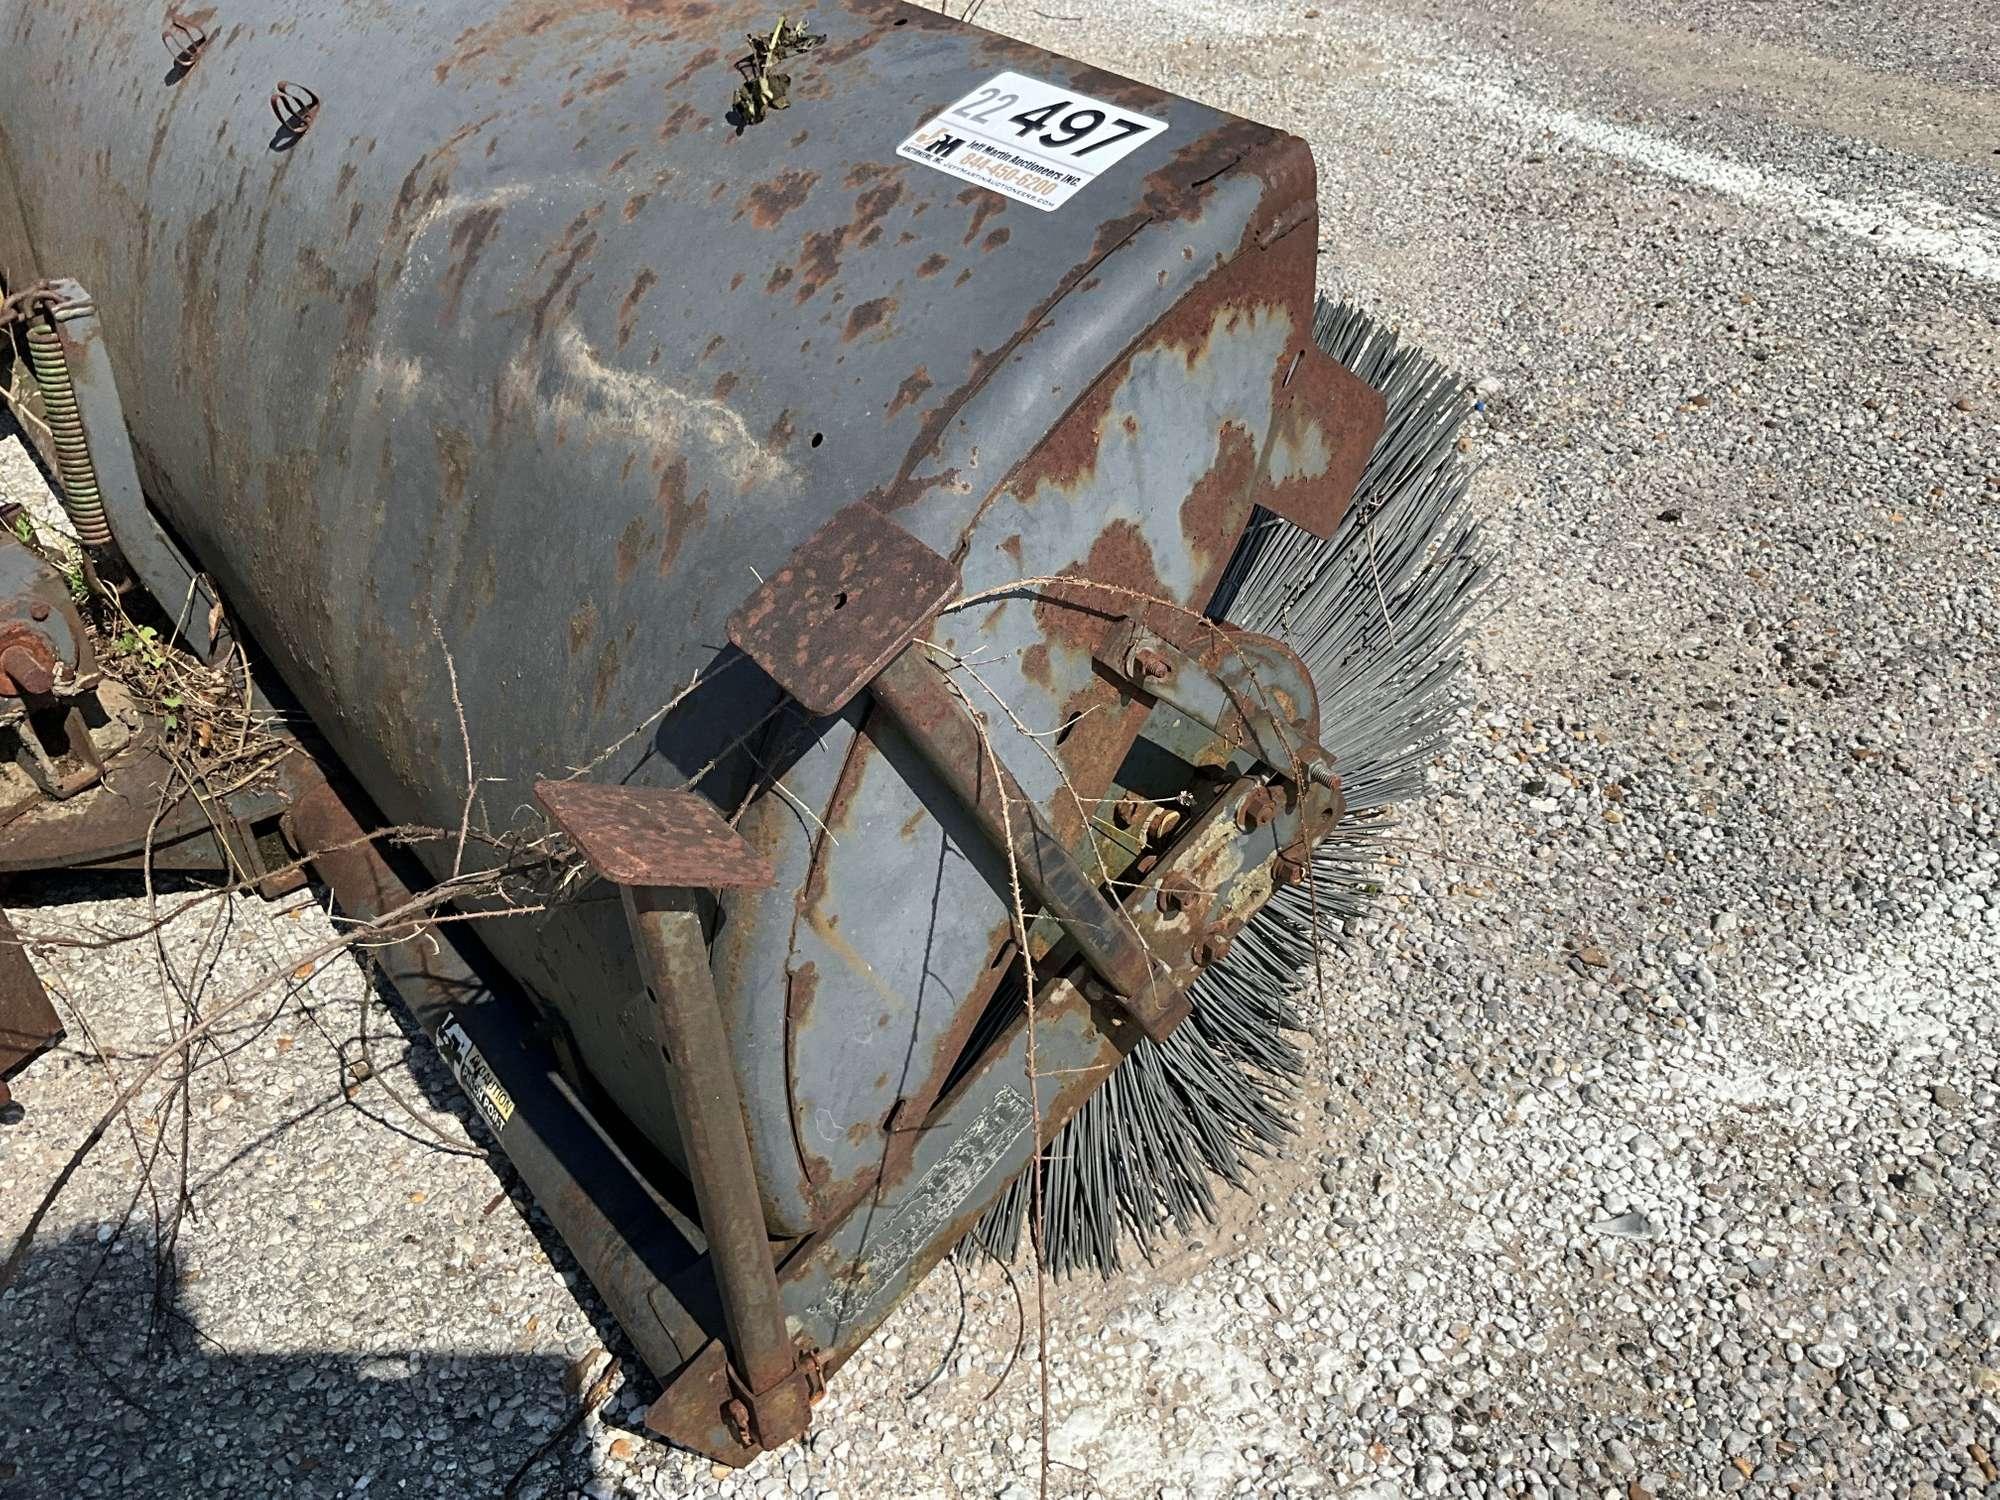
854 594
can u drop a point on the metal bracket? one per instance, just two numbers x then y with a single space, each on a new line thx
1324 426
937 720
181 590
661 848
842 615
640 836
1247 688
854 594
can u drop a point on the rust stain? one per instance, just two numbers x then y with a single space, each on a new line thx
819 260
582 626
768 202
874 203
679 515
933 263
454 451
910 391
996 239
631 543
677 121
628 310
605 81
606 676
1212 513
725 383
867 315
1035 665
575 247
985 205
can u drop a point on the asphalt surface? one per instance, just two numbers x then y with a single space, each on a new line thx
1649 1148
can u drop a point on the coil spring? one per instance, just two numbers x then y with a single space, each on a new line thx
80 498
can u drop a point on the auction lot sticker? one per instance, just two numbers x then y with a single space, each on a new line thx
1036 142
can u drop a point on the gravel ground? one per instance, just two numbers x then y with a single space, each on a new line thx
1649 1148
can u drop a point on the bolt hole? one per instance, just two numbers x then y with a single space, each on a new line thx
902 20
818 438
840 600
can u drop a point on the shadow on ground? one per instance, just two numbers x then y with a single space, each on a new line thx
109 1386
107 1390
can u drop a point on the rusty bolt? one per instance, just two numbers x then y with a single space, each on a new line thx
1212 949
1291 866
1163 822
1258 809
1151 664
737 1415
29 674
38 611
1128 809
1176 892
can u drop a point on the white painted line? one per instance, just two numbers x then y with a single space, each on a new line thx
1955 238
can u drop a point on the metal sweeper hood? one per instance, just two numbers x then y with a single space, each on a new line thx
902 389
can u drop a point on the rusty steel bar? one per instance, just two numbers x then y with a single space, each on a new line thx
938 722
700 1074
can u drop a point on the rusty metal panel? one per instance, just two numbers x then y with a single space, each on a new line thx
851 597
637 835
843 1283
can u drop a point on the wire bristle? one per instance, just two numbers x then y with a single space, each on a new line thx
1378 614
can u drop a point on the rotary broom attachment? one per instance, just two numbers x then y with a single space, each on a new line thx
1377 614
860 678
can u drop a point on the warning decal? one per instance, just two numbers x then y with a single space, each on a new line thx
488 1096
1036 142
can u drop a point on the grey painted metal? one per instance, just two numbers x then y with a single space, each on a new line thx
520 351
933 714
